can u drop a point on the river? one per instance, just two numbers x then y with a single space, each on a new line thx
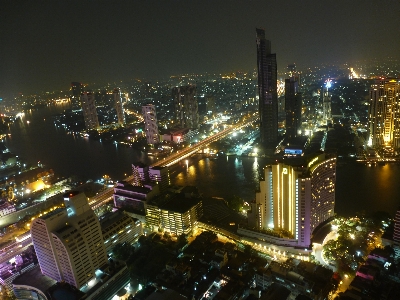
35 138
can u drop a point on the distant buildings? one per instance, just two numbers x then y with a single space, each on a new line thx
294 197
150 124
267 91
69 243
89 111
384 113
293 104
6 208
186 107
118 106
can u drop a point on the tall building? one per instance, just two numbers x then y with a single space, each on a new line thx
68 242
89 111
77 90
293 103
186 107
326 102
384 113
396 233
118 106
295 198
150 124
267 91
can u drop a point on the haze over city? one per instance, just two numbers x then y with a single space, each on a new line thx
47 44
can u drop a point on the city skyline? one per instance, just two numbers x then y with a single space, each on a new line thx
48 45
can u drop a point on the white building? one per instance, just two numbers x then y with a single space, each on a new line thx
69 243
6 208
89 111
150 124
118 106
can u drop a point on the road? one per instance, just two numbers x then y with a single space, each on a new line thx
106 195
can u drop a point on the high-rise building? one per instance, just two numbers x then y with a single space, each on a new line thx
293 103
267 91
77 90
118 106
210 105
295 198
384 113
89 111
396 233
150 124
68 242
186 107
326 102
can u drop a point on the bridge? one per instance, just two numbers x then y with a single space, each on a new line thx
106 195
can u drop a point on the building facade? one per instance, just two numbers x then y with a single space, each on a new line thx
186 107
327 102
295 199
68 242
118 106
150 124
89 111
267 91
293 104
384 113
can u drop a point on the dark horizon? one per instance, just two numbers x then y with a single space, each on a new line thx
46 45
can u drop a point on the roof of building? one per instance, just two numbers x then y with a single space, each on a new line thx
113 217
174 202
35 279
166 294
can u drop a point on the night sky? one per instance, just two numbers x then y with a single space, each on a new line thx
45 45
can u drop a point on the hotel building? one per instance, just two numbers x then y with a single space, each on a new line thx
384 113
69 243
186 106
294 197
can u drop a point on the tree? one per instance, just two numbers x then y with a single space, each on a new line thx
123 251
235 202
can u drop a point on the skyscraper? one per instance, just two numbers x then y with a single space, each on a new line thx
77 90
118 106
295 197
267 91
384 113
293 103
89 111
186 106
150 124
69 243
326 102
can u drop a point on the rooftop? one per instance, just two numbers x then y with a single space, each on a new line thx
36 279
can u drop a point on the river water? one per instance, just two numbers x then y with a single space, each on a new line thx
35 138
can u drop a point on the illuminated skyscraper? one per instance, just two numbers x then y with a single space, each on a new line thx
295 198
186 106
150 124
69 243
77 90
89 111
267 91
326 102
118 106
293 103
384 113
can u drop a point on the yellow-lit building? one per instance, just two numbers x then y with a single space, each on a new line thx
384 113
295 197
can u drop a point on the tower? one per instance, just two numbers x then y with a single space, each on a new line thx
293 103
267 91
186 107
150 124
89 111
326 102
118 106
69 243
384 113
77 90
